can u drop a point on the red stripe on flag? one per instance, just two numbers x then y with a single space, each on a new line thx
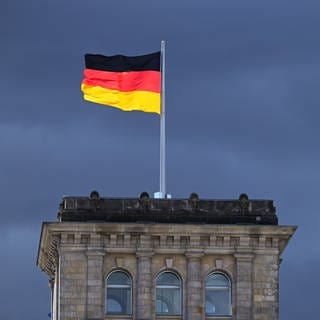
123 81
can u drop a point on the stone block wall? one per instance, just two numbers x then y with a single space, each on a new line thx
73 285
266 287
89 252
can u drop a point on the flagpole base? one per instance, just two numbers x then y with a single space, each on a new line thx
160 195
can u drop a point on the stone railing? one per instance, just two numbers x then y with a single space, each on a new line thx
145 209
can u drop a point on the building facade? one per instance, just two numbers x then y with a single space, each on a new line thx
148 259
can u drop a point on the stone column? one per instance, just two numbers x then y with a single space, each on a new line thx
244 300
95 285
194 303
144 286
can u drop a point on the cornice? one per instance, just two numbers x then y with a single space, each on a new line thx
141 239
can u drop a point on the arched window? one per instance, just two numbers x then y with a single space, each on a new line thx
118 293
218 295
168 293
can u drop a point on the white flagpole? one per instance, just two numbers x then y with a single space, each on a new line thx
162 125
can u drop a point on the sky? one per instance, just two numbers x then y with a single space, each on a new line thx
242 104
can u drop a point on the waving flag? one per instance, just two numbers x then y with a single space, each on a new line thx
127 83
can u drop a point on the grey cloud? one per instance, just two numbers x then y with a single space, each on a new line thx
242 116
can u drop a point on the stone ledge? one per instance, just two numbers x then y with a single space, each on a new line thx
118 317
259 212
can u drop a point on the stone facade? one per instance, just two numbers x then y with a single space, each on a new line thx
79 255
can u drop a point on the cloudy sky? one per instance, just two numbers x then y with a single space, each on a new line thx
243 115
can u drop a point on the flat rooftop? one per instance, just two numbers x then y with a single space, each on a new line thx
150 210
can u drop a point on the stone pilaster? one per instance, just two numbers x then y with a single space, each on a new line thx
73 285
144 286
95 285
194 303
244 265
266 287
55 299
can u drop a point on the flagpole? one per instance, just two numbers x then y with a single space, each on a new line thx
162 125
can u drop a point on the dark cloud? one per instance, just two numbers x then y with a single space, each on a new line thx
24 289
242 116
295 279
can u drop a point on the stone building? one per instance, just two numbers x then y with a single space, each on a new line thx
148 259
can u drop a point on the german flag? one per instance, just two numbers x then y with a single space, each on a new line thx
127 83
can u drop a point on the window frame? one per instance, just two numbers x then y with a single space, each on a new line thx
173 315
107 313
227 277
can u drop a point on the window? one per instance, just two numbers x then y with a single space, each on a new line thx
118 293
168 292
218 295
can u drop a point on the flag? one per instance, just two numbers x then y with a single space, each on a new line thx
127 83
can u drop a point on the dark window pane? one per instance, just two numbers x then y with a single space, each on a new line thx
218 302
168 294
119 278
168 301
217 279
168 278
218 295
114 306
118 301
118 294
